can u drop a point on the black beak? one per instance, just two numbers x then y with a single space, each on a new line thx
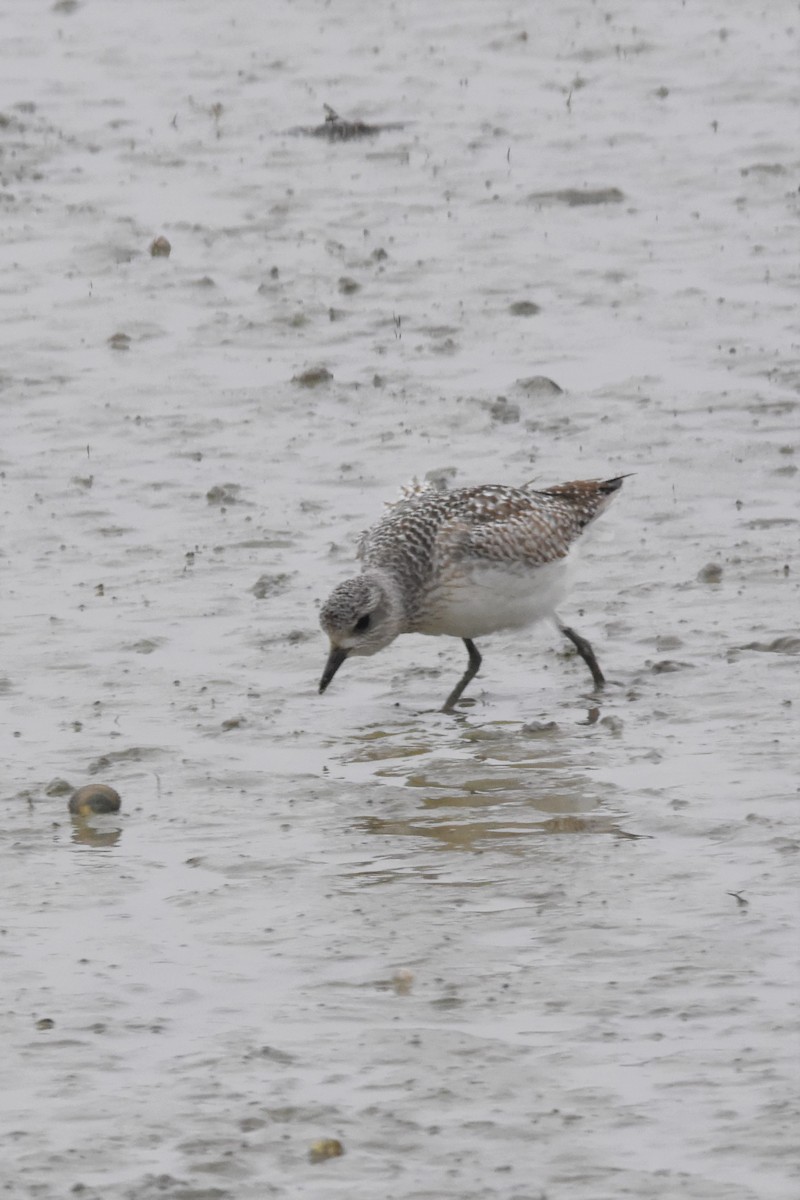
335 660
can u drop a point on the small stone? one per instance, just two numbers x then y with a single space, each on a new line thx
119 341
539 385
324 1149
45 1023
223 493
58 787
710 573
160 248
524 308
313 377
94 798
348 286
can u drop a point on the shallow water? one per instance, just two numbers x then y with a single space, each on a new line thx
542 948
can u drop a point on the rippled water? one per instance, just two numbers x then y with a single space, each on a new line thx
543 948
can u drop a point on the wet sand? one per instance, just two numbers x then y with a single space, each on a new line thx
544 948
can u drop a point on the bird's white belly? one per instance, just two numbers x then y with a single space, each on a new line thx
486 598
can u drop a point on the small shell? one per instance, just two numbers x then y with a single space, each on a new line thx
324 1149
94 798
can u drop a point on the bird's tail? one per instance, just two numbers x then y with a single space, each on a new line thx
589 497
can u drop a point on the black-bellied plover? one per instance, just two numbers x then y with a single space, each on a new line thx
464 563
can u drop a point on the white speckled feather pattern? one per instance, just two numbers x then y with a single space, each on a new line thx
432 538
464 563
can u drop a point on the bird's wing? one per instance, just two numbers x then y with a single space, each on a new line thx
530 530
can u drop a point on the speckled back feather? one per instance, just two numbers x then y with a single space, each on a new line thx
429 529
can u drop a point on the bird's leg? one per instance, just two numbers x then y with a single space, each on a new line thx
586 652
470 673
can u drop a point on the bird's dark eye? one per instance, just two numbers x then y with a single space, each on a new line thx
362 624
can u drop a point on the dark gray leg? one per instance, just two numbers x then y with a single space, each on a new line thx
470 673
586 652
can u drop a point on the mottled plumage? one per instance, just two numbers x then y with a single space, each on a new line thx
463 563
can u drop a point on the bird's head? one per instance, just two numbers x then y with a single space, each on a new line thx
361 616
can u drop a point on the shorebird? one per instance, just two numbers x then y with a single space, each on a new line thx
464 563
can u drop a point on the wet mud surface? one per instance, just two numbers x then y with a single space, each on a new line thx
543 947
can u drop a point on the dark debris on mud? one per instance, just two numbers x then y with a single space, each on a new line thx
337 129
578 197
